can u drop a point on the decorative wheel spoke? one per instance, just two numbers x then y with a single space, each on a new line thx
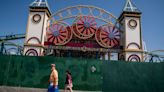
108 36
59 34
55 40
51 38
85 27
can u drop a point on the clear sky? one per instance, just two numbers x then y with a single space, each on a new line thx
14 14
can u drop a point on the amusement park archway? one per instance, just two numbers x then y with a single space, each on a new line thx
86 29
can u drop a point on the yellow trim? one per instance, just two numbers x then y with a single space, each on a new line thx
125 14
133 50
131 15
142 57
122 18
125 31
34 45
28 23
41 10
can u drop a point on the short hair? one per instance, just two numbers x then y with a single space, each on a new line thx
67 71
53 65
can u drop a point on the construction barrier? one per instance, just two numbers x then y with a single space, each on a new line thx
21 71
87 74
133 77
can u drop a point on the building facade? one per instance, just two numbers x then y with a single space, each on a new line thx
82 33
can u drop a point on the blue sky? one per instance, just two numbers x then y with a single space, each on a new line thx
14 14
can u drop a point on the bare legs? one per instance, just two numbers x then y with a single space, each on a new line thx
70 89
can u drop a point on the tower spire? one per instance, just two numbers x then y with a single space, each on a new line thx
130 7
39 3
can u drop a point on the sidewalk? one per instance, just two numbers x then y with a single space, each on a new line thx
21 89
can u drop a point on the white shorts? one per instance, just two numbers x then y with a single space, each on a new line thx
69 85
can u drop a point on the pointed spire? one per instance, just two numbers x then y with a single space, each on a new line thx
39 3
130 7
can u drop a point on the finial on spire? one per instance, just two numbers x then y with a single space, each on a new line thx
130 7
39 3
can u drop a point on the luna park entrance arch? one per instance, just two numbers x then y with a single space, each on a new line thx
83 31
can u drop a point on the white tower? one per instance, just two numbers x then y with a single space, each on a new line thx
131 37
36 28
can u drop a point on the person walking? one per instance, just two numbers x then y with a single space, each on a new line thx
53 80
68 82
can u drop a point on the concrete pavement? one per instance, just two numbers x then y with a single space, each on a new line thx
23 89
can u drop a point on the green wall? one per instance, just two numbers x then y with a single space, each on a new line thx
34 72
88 74
133 77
